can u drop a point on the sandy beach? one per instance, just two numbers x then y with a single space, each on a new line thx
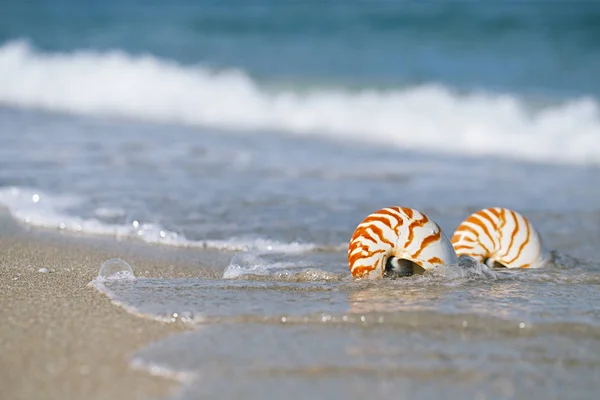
59 338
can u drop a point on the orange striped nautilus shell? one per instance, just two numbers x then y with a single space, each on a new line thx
398 241
499 237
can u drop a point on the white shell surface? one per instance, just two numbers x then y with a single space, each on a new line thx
500 235
400 232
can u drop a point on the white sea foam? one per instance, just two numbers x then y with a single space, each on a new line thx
429 117
40 209
249 263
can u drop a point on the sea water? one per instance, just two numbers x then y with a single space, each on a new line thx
267 131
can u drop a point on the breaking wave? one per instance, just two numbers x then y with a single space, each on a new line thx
428 117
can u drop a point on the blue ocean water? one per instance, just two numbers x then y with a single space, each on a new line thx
507 79
539 47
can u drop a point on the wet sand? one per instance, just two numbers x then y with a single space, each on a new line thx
59 338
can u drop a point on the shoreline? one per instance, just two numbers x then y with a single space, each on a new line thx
60 338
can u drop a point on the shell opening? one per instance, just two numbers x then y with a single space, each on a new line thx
491 263
399 267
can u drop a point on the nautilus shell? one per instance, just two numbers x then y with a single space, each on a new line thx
500 237
398 241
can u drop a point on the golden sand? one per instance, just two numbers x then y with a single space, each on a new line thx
59 338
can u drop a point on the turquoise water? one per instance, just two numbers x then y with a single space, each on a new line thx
538 47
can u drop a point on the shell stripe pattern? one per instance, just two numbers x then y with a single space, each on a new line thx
499 235
401 232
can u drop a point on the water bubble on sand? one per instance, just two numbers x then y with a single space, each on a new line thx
115 269
245 263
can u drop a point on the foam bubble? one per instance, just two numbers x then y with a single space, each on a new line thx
252 263
245 263
466 268
429 117
115 269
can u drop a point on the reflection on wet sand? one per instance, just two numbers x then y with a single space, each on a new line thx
386 298
501 299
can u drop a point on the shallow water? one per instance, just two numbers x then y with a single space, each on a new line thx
548 295
422 360
199 187
295 332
